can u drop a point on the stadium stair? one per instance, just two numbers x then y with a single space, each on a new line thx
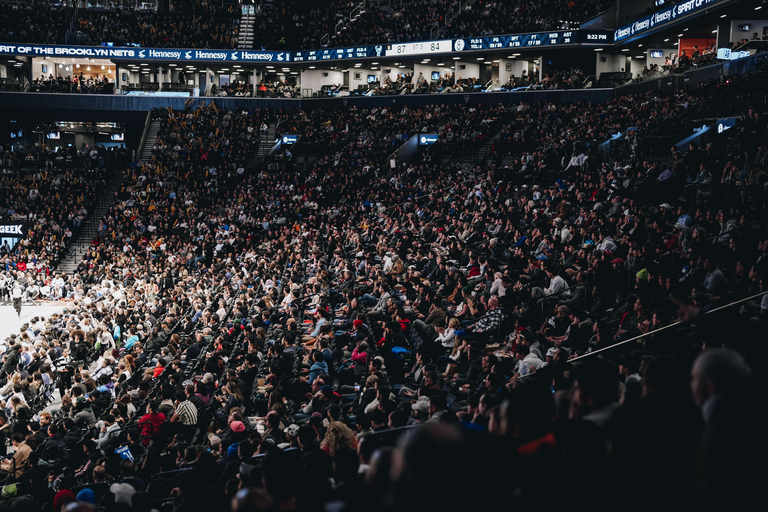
266 143
149 141
482 154
82 241
245 36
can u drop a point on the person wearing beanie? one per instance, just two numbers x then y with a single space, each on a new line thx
62 498
232 451
9 491
87 495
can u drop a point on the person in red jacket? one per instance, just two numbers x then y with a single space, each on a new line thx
151 423
159 368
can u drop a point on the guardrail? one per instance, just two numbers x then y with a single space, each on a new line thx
147 123
664 328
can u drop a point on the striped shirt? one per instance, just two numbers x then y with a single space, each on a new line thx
187 413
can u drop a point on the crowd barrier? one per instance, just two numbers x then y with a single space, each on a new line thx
144 103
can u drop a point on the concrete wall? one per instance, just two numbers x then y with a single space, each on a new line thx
83 138
133 76
516 68
756 26
636 66
354 83
471 70
607 63
37 68
315 79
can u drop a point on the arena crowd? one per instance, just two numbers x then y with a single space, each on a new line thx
250 339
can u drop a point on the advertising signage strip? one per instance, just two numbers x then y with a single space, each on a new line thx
445 46
144 54
662 17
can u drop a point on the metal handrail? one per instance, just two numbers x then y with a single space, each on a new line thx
147 122
668 326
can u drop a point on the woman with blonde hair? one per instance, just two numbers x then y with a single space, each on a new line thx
338 438
447 337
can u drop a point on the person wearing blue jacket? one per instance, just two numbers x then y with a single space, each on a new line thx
319 366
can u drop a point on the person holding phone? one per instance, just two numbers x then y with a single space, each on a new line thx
16 465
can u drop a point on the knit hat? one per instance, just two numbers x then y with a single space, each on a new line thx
237 426
214 440
232 451
123 492
292 430
642 275
62 497
87 495
357 324
9 491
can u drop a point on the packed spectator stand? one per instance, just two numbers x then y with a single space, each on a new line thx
555 325
53 191
497 17
402 22
195 24
33 23
235 330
